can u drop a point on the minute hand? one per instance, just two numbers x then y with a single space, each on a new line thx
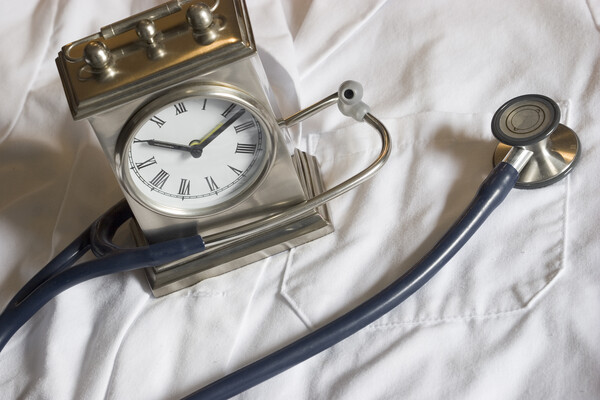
212 135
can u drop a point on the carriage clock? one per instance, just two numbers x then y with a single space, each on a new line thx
179 101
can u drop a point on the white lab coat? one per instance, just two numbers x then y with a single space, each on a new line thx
515 315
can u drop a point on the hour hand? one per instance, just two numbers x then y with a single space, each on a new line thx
195 152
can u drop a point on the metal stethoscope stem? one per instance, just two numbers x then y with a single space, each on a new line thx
297 211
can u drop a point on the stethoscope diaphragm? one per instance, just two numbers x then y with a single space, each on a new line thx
526 120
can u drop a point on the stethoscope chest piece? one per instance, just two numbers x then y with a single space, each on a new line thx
533 122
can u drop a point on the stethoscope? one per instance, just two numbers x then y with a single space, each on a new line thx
535 150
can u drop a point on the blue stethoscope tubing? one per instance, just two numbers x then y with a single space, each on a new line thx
61 273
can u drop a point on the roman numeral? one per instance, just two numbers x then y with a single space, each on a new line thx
184 187
159 180
237 171
244 126
245 148
179 108
146 163
212 185
228 110
158 121
204 105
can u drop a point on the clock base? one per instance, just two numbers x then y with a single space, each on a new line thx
165 279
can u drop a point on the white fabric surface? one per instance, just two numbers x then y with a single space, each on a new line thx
515 315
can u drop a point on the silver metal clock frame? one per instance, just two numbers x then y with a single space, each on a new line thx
112 76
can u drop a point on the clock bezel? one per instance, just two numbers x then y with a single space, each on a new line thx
216 90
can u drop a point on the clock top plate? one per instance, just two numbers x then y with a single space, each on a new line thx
151 51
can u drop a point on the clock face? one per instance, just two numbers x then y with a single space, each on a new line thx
194 155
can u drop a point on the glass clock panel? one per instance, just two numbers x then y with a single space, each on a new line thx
195 153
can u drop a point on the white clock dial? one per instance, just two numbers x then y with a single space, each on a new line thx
195 154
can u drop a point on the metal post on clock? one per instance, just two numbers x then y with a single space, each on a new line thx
129 23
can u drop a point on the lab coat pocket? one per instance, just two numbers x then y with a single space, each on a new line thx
386 225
